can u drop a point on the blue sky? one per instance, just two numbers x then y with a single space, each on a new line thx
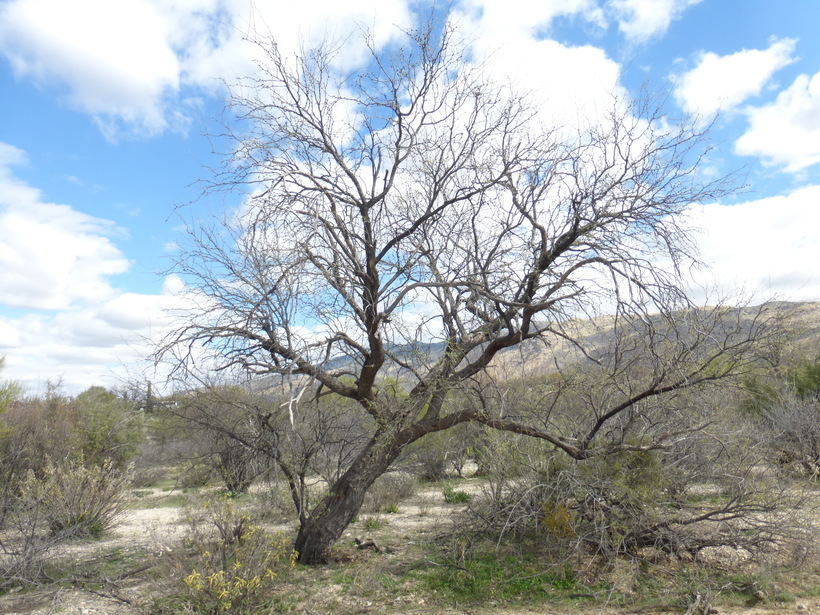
104 104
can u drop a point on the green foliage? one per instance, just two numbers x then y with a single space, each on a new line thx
786 412
440 454
452 496
638 474
74 498
513 578
227 565
97 427
107 427
804 380
618 499
760 396
194 474
801 380
558 519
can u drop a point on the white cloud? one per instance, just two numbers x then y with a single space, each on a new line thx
60 316
523 17
767 247
93 344
786 132
51 255
640 20
113 57
721 83
507 34
125 62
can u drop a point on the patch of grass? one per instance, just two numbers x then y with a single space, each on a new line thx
494 577
345 579
374 523
452 496
392 509
783 597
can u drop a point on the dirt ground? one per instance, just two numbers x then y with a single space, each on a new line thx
148 531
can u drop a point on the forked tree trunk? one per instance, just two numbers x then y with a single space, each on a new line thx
336 510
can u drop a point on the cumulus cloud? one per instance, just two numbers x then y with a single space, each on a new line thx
506 34
125 63
721 83
786 132
768 247
51 255
93 344
112 57
641 20
61 318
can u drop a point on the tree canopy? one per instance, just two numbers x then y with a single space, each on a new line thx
413 220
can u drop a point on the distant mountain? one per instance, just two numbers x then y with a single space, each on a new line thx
596 336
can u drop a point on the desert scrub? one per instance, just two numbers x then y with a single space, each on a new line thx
388 491
75 499
227 564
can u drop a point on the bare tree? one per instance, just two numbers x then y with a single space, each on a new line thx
409 223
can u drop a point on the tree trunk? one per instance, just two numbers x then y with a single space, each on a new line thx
331 516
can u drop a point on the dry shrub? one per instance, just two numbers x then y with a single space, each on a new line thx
75 499
142 477
389 490
684 504
67 501
24 549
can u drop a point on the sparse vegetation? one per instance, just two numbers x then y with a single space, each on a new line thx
228 564
496 577
451 496
657 454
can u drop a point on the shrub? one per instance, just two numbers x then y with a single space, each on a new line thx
96 425
455 497
227 564
72 500
441 454
107 428
388 491
193 475
75 499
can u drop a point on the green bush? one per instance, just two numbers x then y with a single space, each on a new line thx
108 427
97 425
